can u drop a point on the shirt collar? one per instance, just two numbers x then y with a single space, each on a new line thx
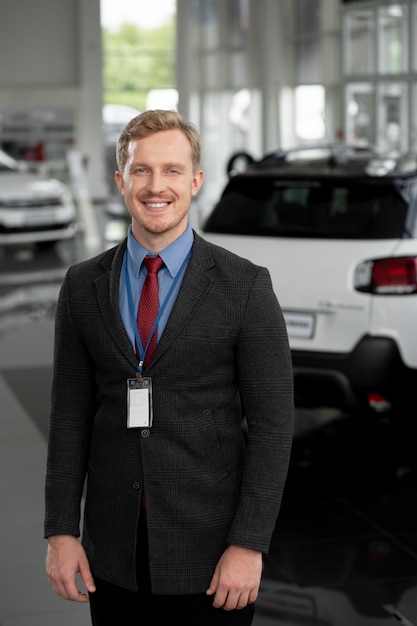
172 256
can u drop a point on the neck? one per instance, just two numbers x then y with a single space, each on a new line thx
155 242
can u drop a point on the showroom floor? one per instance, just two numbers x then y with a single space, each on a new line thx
26 599
345 547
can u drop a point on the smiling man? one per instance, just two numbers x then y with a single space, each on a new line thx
180 503
158 177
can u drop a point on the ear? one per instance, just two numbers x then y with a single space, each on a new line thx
197 182
119 181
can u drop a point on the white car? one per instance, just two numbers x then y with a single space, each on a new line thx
33 209
115 118
337 228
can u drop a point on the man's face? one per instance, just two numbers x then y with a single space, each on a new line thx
158 184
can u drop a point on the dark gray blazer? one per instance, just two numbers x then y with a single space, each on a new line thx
224 354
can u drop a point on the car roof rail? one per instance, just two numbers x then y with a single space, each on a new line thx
373 162
334 152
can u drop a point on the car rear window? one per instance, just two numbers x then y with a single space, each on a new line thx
338 209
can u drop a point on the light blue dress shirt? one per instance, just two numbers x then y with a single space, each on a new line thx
173 257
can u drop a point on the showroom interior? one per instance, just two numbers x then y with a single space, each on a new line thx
255 76
245 70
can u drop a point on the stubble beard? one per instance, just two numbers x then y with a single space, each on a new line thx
159 225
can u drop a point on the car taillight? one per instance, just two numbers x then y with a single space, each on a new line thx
392 276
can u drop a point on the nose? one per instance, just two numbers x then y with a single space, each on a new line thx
155 184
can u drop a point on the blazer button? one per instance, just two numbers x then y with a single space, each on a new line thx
145 433
136 485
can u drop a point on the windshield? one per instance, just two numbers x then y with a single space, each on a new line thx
339 209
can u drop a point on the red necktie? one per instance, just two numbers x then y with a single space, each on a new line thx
148 305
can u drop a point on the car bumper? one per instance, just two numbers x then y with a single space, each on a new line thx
13 237
345 381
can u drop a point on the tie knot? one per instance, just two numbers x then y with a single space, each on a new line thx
153 264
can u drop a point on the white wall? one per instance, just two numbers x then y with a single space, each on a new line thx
51 59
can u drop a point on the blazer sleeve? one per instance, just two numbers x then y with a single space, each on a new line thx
72 410
266 389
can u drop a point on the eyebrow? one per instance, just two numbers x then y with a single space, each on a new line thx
176 164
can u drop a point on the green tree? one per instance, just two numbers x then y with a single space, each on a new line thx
137 60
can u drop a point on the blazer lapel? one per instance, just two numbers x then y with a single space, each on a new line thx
193 290
107 287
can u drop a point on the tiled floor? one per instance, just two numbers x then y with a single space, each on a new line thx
345 548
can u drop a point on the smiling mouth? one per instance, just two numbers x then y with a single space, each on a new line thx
156 205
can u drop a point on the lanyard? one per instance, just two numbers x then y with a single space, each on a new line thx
143 350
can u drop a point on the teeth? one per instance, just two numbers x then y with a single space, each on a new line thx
156 205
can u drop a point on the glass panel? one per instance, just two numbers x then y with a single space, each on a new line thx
307 14
392 118
413 130
309 112
212 74
238 69
210 23
359 114
332 208
231 124
393 39
414 36
308 62
359 42
238 22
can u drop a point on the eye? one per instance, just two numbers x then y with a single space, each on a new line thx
137 169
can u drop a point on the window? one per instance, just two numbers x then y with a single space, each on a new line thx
393 39
309 112
359 114
310 209
138 52
359 42
376 48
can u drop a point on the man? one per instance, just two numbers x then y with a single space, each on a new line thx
180 501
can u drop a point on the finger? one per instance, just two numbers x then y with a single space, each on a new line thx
75 595
253 595
213 584
232 602
88 580
67 589
242 601
219 599
82 597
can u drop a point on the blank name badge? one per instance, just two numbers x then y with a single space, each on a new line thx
139 402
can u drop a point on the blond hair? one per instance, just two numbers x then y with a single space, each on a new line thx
153 121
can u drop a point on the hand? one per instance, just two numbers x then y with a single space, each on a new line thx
66 558
236 579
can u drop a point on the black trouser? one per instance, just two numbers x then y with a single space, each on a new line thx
111 605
